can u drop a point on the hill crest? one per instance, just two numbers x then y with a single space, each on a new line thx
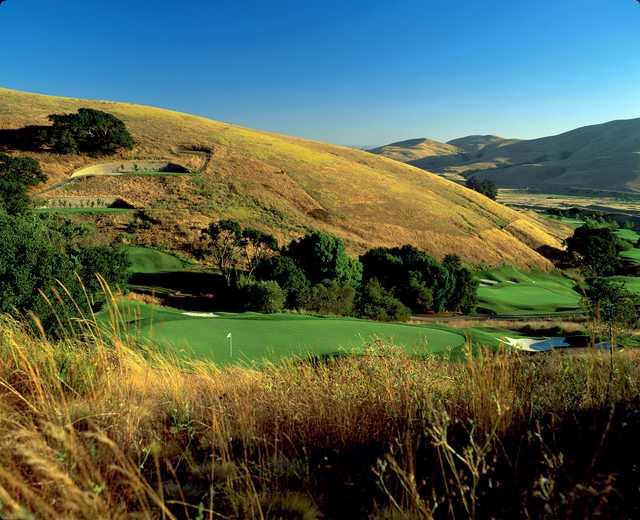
280 184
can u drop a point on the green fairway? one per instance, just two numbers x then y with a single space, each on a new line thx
631 283
146 260
507 290
628 234
259 337
632 254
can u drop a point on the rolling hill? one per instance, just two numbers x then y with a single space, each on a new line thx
599 157
278 183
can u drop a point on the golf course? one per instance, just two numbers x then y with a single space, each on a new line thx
508 290
256 338
147 260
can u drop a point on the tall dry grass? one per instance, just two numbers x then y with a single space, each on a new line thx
98 427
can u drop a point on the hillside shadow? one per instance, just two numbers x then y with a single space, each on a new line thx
28 138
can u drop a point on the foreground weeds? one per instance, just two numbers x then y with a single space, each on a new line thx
100 429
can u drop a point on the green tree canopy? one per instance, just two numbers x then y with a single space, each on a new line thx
35 264
595 249
323 257
485 186
463 295
17 175
415 278
90 131
289 277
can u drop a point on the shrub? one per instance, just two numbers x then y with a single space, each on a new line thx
261 296
376 303
463 295
330 297
40 267
289 277
415 278
17 174
486 187
323 257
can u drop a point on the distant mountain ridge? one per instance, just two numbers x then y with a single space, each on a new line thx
602 157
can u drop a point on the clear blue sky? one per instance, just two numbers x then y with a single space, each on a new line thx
357 72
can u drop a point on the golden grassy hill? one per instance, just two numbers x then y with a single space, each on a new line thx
414 149
285 185
598 157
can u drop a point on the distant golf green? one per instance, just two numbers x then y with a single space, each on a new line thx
146 260
259 337
631 254
628 234
507 290
631 283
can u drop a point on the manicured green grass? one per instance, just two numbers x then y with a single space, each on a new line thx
146 260
632 283
628 234
507 290
258 337
631 254
575 222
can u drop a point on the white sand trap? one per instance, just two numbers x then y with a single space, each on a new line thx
535 344
201 314
488 282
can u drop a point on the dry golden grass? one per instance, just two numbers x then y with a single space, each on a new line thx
287 185
96 428
414 149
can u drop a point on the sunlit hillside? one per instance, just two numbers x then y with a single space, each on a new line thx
282 184
600 157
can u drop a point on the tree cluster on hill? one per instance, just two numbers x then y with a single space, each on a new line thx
315 273
487 187
87 131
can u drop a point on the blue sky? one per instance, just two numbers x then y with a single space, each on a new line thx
356 72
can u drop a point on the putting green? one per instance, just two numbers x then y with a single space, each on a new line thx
507 290
146 260
258 337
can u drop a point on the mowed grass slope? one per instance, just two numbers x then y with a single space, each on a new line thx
147 260
288 185
507 290
259 337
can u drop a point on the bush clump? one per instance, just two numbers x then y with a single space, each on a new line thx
261 296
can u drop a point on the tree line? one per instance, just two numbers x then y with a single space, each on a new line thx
314 273
49 265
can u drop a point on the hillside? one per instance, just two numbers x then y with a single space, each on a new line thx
598 157
414 149
477 143
281 184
